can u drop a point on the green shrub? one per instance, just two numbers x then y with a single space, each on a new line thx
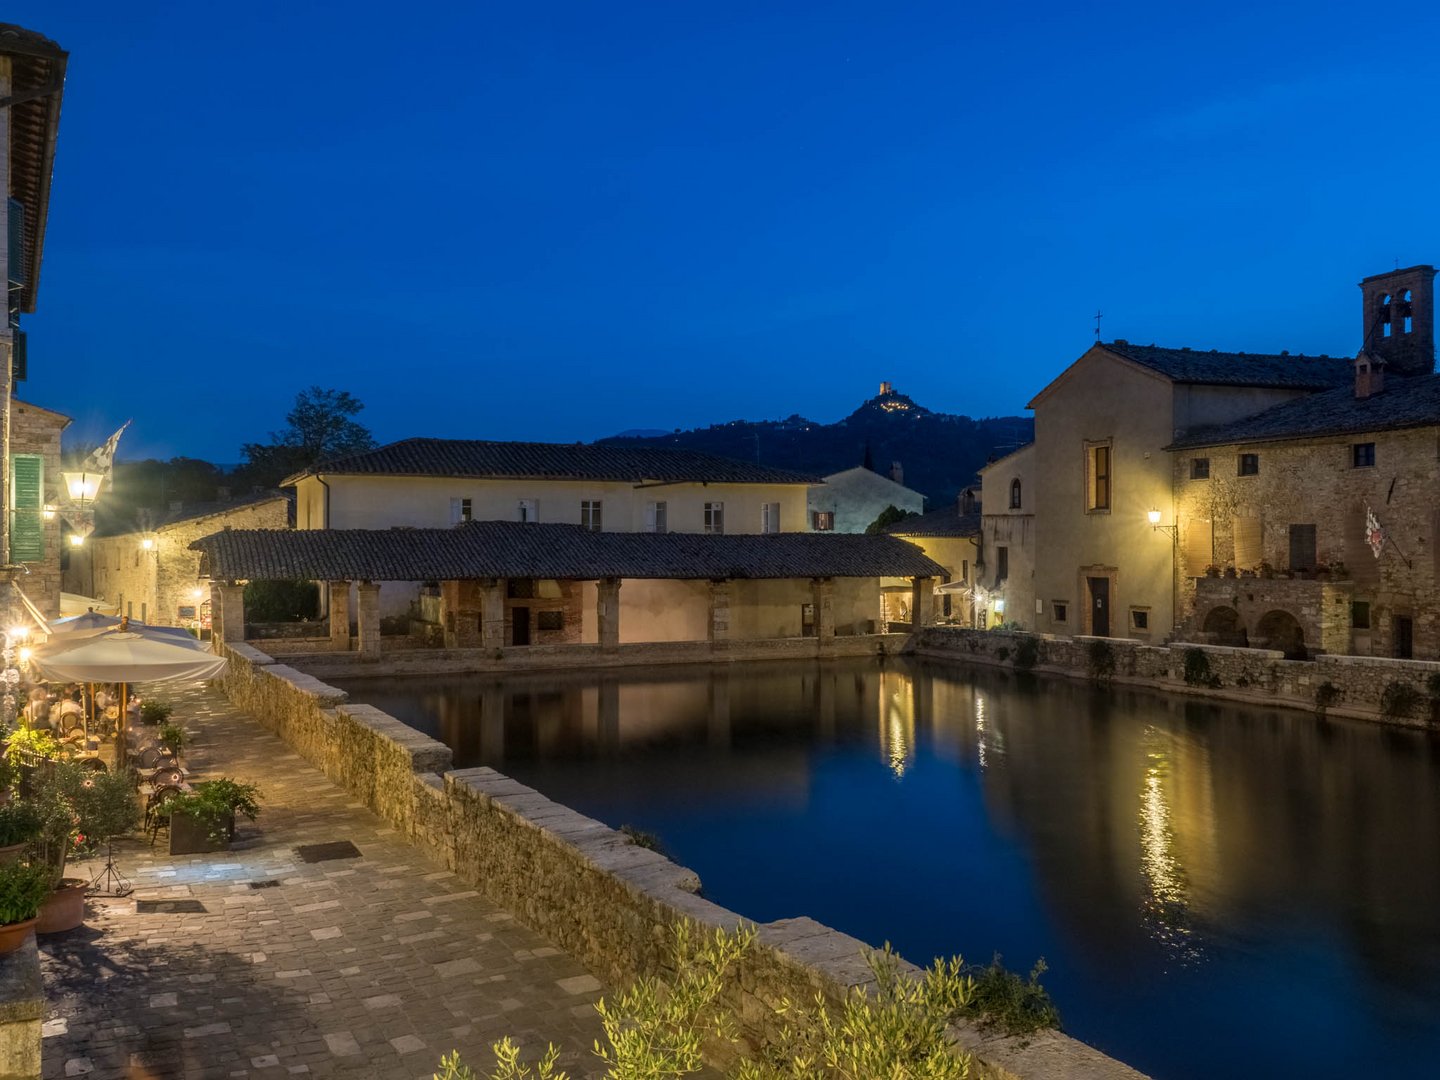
215 803
641 838
1326 694
172 737
1014 1005
1100 661
20 823
895 1030
1399 700
1197 668
281 601
155 711
23 888
1027 653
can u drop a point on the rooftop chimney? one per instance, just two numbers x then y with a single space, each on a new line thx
1369 375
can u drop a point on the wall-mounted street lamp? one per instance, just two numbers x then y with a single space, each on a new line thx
82 486
48 512
147 543
1153 516
76 540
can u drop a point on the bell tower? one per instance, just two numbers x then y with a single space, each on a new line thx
1399 319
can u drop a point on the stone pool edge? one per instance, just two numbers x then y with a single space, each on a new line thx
585 886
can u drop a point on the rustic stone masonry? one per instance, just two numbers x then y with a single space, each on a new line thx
1253 676
22 1006
586 887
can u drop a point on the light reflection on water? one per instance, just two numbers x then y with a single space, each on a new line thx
1206 883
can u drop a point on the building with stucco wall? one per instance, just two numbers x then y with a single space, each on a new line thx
851 500
1005 565
147 571
950 536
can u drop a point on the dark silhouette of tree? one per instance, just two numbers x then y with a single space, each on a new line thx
318 428
889 516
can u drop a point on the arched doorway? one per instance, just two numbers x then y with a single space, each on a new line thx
1224 627
1281 630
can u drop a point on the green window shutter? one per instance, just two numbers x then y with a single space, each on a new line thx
27 531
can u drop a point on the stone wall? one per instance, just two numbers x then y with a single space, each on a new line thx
1239 521
583 885
1253 676
22 1007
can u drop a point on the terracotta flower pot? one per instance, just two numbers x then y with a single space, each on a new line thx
13 935
65 908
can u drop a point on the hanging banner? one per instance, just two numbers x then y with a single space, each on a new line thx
1374 534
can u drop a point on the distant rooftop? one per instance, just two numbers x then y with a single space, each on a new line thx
479 459
510 549
1215 368
947 521
1404 403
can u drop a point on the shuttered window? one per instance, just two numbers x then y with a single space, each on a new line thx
27 533
1302 547
1199 548
1247 543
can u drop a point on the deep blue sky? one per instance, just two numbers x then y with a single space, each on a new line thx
556 221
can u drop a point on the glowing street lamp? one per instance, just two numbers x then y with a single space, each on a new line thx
82 486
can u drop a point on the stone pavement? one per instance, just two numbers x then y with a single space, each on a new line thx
254 963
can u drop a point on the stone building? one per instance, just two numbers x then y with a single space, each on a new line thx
32 82
505 584
436 483
950 536
1321 516
849 501
147 571
1005 556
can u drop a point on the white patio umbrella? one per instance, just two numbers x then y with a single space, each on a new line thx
123 656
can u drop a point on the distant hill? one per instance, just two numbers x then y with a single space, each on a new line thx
939 452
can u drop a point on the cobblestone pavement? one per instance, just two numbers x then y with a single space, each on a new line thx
372 966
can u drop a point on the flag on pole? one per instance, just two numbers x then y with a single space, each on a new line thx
102 459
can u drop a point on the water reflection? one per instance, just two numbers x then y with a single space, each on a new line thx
1206 882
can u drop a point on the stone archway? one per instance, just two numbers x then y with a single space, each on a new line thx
1224 627
1282 631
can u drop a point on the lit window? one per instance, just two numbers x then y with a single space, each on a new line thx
1362 455
1015 494
1097 468
1200 468
590 514
714 517
770 518
655 517
1249 465
823 520
1061 611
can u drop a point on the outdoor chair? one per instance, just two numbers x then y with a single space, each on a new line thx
154 820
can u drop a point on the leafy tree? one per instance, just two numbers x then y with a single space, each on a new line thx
889 516
281 601
319 427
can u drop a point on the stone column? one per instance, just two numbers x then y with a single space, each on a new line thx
492 615
607 612
922 600
822 592
369 619
340 615
227 612
719 626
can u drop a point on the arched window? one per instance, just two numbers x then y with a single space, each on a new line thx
1384 315
1015 494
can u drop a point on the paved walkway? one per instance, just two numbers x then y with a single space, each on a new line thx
254 963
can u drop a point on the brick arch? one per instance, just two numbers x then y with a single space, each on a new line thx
1279 629
1224 626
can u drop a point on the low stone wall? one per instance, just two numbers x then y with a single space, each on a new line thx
407 660
22 1005
583 885
1252 676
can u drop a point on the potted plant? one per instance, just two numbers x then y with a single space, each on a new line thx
154 712
19 825
23 888
173 738
204 819
102 806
